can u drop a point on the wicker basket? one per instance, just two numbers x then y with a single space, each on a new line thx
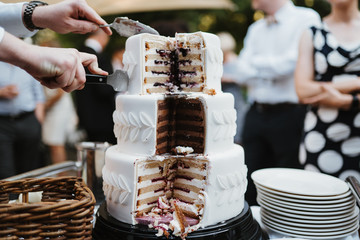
65 211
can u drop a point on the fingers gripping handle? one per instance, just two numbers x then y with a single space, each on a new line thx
96 79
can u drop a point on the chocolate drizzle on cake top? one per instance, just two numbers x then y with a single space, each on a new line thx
174 69
176 63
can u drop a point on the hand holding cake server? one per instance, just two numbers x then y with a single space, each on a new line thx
53 67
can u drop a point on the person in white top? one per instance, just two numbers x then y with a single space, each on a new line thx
266 64
53 67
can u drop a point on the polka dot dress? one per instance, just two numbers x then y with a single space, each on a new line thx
331 140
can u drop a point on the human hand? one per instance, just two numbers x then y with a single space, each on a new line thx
53 67
60 67
69 16
330 97
9 91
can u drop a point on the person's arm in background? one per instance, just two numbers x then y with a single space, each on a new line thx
50 102
39 97
8 91
319 93
241 70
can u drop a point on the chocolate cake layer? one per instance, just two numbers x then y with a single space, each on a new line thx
181 122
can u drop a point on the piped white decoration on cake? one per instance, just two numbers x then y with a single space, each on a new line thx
129 125
232 185
115 187
225 124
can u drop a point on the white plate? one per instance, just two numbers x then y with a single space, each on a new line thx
311 204
304 213
317 207
306 217
323 231
304 197
300 182
270 201
311 227
321 221
314 236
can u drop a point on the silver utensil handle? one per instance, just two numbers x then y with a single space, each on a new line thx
106 25
354 187
48 170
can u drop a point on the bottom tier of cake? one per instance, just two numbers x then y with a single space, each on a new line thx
241 227
178 193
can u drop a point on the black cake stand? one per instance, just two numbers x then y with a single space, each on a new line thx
241 227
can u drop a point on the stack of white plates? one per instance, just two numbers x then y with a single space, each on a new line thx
299 203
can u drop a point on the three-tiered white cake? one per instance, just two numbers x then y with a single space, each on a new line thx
175 165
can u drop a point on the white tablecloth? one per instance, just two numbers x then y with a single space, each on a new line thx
274 236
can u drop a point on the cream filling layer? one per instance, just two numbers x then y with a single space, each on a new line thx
150 194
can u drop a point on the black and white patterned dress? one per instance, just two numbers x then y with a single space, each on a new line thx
331 140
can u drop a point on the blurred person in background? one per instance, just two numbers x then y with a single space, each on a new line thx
53 67
169 28
21 115
328 78
60 116
228 82
95 103
266 65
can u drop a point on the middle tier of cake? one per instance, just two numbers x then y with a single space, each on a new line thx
157 124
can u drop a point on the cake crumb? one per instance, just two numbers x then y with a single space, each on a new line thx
183 150
210 91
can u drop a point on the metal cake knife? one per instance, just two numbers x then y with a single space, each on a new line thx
119 80
127 27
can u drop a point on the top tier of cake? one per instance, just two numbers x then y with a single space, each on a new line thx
190 62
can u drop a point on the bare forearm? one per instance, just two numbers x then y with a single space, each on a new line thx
40 112
312 88
347 86
51 102
13 50
306 89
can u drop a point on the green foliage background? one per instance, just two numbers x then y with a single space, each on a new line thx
236 22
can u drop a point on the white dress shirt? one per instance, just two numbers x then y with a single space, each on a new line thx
11 20
30 91
267 62
93 44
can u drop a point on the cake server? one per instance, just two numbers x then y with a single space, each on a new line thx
119 80
126 27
